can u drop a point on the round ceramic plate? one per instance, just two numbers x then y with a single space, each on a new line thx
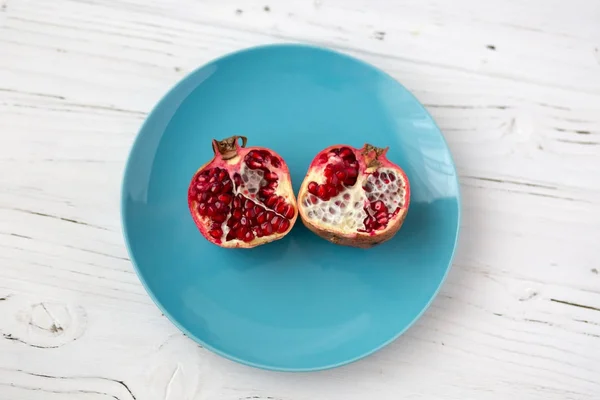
300 303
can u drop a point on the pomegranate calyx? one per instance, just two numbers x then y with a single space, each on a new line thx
228 148
372 154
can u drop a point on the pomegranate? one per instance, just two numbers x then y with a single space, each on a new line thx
243 197
354 197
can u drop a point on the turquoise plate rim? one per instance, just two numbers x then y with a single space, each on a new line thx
225 354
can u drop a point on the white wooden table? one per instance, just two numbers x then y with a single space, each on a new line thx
515 87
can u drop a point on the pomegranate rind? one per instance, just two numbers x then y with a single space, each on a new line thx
284 189
352 238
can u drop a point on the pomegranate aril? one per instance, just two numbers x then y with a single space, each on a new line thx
210 211
276 162
332 191
271 176
230 235
392 177
237 179
271 201
266 228
262 217
346 153
334 180
250 213
275 220
321 191
256 155
378 206
283 226
237 202
244 221
381 214
270 215
219 218
202 209
328 171
248 237
227 187
216 233
289 212
312 187
266 191
225 198
237 213
253 164
341 175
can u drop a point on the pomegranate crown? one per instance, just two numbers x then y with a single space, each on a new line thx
228 148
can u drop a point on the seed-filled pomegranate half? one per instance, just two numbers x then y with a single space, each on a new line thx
354 197
243 197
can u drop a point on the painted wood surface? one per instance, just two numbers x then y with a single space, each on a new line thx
515 87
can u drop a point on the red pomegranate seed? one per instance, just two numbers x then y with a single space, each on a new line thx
312 187
378 206
341 175
237 213
262 217
253 164
256 155
392 177
250 213
216 233
230 235
380 214
328 171
276 162
219 218
271 176
321 191
248 237
266 228
280 207
267 191
289 212
283 226
225 198
271 201
332 191
202 209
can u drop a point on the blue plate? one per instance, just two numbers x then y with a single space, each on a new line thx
300 303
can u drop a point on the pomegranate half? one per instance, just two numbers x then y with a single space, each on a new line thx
354 197
243 197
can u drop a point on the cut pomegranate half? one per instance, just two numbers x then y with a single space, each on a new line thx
243 197
354 197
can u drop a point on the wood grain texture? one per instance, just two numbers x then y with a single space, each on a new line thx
514 86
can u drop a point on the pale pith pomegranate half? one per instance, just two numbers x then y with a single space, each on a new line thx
354 197
243 197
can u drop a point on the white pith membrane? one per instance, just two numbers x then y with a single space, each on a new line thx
346 211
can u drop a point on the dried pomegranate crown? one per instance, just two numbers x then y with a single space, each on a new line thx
354 197
243 197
